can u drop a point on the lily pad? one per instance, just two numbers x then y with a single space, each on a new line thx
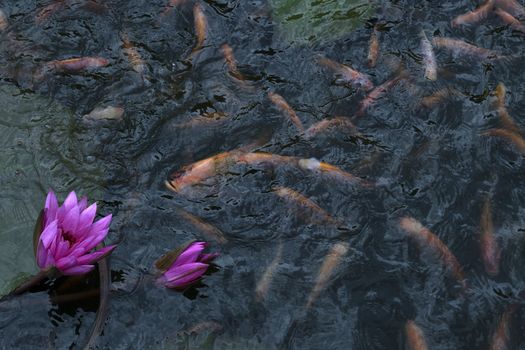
310 21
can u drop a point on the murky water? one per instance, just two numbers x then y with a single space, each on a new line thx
431 164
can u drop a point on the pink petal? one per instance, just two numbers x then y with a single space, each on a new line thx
78 270
70 221
206 258
42 256
184 275
96 256
51 207
92 241
62 249
71 201
191 254
100 225
66 262
82 204
87 216
49 234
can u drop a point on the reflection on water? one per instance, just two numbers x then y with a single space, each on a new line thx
251 79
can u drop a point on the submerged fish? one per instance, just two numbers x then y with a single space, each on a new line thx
438 97
227 51
133 55
511 136
373 49
348 74
376 94
48 11
426 238
511 6
210 231
459 47
475 16
504 115
501 336
201 26
510 20
75 65
325 124
261 290
332 171
429 59
337 252
106 113
172 4
3 20
415 337
281 103
490 251
318 214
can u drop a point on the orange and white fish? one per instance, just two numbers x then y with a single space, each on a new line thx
337 252
475 16
415 336
490 251
74 65
459 47
210 231
376 94
201 26
229 58
510 20
429 59
511 136
325 124
317 214
106 113
263 285
373 49
281 103
355 78
330 170
133 55
511 6
426 238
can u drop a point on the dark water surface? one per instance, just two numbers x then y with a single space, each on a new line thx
431 164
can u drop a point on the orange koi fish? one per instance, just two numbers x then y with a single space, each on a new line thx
281 103
316 166
426 238
458 47
415 337
510 20
325 124
501 336
106 113
133 55
210 231
74 65
475 16
348 74
227 51
3 20
373 49
504 115
511 136
48 11
201 26
511 6
438 97
172 4
331 261
319 215
490 251
263 285
376 94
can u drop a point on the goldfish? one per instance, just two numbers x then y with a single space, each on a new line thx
373 49
425 237
490 251
207 229
330 170
201 26
133 55
501 336
318 214
280 102
107 113
510 20
348 74
438 97
48 11
415 337
458 47
376 94
475 16
261 290
171 5
227 51
325 124
429 59
73 65
3 20
511 136
337 252
511 6
504 115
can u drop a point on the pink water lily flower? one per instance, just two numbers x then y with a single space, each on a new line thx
188 267
69 235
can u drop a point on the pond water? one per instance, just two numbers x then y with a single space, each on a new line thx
184 103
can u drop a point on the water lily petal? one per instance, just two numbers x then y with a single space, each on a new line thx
70 202
49 234
43 259
93 240
206 258
70 221
78 270
51 207
87 216
66 262
100 225
184 275
82 204
191 254
96 256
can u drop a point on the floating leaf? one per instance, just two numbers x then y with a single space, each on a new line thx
314 20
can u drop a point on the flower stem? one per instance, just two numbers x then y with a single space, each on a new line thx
30 283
